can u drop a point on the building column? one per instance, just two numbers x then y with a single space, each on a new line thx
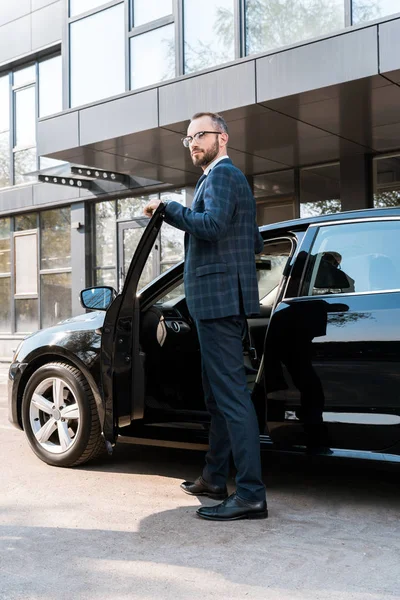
356 182
78 254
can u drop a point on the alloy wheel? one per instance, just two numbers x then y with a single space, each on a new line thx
54 415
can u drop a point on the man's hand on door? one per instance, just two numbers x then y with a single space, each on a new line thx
151 207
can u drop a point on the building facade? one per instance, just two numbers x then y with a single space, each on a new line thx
95 96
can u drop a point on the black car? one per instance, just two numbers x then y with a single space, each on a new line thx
322 358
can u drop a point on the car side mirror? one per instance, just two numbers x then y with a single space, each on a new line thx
97 298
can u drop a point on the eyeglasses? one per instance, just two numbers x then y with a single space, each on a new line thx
186 141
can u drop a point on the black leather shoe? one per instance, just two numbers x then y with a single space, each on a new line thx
202 488
234 508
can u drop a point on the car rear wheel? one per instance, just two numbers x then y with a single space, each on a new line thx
59 416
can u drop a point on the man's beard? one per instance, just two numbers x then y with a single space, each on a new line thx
202 160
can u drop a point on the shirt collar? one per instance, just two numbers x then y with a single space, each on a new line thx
214 162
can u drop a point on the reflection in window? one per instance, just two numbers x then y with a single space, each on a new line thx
55 238
320 191
78 7
106 277
356 257
130 208
373 9
24 222
105 234
5 259
387 182
5 304
4 103
172 239
24 162
275 196
56 300
274 23
209 33
4 159
26 315
158 46
98 56
145 11
50 86
25 117
270 265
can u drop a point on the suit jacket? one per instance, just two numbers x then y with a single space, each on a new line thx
221 240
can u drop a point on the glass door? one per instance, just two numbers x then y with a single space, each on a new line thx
129 235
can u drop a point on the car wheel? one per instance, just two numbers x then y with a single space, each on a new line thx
59 416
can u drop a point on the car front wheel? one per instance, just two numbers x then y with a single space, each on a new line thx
60 417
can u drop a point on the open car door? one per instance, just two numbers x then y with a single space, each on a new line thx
122 361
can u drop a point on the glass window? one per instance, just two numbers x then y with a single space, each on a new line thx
25 247
26 315
56 298
24 222
50 86
105 234
5 244
145 11
373 9
25 117
4 159
275 196
172 239
387 182
55 239
106 277
24 162
24 76
130 208
4 103
77 7
158 48
209 33
270 264
5 304
320 191
274 23
98 56
354 257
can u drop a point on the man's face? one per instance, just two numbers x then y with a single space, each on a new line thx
206 149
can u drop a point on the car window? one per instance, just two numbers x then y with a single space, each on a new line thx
354 257
270 264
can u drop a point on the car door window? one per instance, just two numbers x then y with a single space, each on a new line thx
270 265
354 258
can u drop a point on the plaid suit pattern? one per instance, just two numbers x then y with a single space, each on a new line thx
220 245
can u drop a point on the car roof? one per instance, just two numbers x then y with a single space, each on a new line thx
301 224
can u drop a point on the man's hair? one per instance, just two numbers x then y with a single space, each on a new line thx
218 121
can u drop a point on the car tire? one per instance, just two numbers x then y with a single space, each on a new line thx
60 417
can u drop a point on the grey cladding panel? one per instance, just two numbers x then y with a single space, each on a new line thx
120 117
316 65
15 39
225 89
46 193
11 10
46 26
18 197
58 133
389 46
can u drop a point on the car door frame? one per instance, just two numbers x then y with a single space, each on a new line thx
121 360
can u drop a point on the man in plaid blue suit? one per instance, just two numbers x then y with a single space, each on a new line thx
221 239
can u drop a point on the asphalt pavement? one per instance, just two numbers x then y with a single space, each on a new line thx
120 528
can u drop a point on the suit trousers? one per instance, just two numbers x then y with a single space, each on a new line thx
234 427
